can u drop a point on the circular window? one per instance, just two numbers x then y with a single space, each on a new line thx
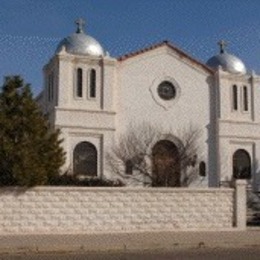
166 90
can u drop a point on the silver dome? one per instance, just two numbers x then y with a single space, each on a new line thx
80 43
228 62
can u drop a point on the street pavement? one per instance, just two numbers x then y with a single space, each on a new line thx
180 254
122 242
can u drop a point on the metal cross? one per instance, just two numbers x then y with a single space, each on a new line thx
222 44
80 23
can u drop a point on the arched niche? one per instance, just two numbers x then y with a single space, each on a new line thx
85 159
241 164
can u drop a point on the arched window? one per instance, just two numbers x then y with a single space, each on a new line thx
85 159
50 83
92 84
245 98
49 87
241 165
79 83
202 169
129 167
235 97
52 86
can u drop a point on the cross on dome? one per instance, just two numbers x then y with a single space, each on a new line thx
80 25
222 44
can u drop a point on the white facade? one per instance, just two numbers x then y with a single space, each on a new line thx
126 93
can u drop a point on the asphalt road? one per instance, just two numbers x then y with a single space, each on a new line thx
180 254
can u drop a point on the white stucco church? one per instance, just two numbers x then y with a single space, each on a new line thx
93 98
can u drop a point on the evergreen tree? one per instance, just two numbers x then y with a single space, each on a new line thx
30 153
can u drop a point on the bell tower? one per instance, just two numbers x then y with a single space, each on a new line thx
235 111
78 95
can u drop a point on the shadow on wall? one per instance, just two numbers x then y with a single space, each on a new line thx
255 173
213 170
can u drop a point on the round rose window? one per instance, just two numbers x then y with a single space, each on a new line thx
166 90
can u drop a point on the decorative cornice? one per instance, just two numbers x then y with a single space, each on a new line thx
84 110
238 122
86 128
86 59
235 77
241 137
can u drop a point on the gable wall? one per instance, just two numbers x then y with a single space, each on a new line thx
138 101
137 91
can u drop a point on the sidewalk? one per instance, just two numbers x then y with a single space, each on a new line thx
129 241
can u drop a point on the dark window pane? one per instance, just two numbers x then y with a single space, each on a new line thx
202 169
49 87
79 82
245 97
92 83
235 98
129 167
166 90
52 86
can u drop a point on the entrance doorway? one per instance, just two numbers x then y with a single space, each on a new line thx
166 165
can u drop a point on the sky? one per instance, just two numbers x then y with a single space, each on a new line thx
30 30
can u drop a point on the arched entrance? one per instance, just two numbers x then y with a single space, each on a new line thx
166 164
85 159
241 165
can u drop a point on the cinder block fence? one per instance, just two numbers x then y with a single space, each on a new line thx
87 210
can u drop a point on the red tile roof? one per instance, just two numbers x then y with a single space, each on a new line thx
181 54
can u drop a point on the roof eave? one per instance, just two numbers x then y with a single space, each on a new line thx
170 45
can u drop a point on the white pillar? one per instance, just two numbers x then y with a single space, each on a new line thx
240 204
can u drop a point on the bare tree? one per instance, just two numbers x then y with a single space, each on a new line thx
147 155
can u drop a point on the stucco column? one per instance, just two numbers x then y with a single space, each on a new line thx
240 204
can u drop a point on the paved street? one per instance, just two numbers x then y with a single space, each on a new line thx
196 254
180 245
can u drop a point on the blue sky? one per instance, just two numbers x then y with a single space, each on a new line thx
31 29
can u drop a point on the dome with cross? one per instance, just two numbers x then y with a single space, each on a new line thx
228 62
80 43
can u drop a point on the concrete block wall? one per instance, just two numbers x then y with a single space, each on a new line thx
87 210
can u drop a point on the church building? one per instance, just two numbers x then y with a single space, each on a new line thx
94 99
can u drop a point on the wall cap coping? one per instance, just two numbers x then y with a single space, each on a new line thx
240 182
115 189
